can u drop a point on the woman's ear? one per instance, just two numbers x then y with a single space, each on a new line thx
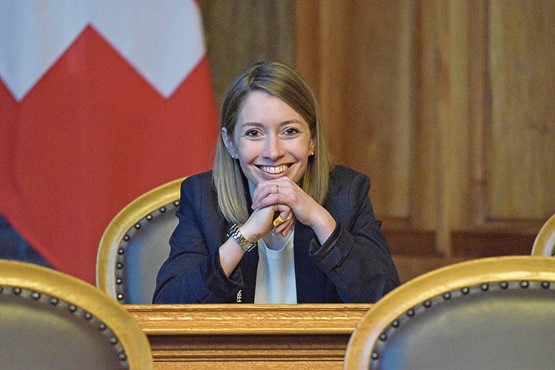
311 148
229 144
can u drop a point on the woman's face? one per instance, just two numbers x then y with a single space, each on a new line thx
270 140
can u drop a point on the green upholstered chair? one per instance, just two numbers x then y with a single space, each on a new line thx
50 320
136 243
491 313
544 244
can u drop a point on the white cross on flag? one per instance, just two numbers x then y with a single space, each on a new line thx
100 101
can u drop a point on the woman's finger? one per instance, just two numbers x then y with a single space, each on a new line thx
285 226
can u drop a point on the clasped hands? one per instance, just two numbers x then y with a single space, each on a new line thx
277 204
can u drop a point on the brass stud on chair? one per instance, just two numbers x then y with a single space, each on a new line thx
24 293
448 288
128 233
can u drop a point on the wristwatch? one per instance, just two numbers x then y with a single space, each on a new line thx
236 234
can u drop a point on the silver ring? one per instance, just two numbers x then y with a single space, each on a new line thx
277 189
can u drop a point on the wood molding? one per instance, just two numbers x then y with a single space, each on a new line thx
490 244
303 336
411 242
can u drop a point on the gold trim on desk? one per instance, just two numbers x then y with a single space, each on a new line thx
248 336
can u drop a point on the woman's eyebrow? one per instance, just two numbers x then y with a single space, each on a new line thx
249 123
260 124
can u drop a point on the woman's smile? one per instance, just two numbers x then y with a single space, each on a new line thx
274 170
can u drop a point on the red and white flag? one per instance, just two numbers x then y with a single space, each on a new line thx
100 101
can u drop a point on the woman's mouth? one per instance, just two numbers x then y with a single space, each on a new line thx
274 170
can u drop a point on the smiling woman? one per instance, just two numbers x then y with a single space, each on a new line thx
275 221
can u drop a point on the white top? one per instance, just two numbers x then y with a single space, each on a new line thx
275 277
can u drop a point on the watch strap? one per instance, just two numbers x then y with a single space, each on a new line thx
236 234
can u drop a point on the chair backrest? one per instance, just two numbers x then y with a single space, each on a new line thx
490 313
136 243
544 244
50 320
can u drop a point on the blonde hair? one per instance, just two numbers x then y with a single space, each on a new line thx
283 82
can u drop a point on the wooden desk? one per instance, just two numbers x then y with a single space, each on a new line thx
303 336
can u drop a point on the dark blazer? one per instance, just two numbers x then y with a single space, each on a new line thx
353 266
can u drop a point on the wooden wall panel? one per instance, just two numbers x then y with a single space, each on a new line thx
241 32
426 91
512 128
522 129
366 94
366 55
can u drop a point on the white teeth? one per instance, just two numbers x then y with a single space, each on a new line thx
274 170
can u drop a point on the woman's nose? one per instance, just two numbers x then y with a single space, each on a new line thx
273 148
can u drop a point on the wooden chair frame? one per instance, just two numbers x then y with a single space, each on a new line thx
544 244
56 290
113 244
438 283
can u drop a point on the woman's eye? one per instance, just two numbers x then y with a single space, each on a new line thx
290 131
252 133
